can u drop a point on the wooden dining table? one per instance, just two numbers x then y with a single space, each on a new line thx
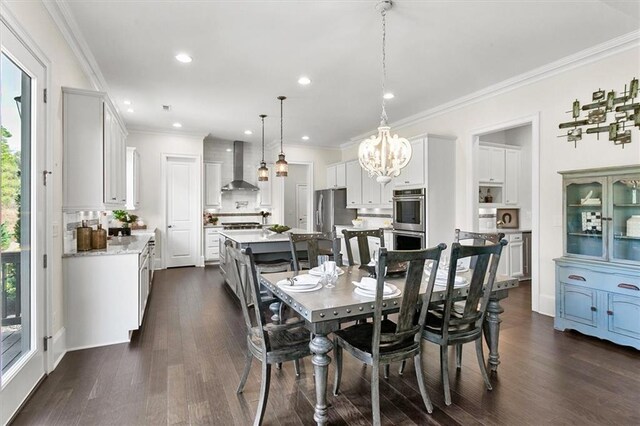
326 308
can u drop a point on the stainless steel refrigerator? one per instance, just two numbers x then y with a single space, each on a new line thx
330 209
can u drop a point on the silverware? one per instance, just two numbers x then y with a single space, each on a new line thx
291 281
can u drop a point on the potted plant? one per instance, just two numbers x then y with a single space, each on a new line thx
126 219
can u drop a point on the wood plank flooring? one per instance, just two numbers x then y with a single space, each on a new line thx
183 367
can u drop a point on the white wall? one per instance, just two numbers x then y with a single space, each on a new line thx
551 98
64 70
151 147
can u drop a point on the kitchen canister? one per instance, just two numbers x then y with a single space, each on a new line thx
83 237
633 226
99 238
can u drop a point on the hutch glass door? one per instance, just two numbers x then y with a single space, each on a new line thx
585 218
625 218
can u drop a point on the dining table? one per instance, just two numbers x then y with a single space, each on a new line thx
325 309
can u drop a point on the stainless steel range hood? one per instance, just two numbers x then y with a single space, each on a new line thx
238 183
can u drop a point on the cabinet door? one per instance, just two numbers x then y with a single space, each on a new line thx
585 219
516 249
624 209
331 177
386 195
484 164
497 165
512 176
110 156
623 314
578 304
121 163
413 173
370 190
354 184
503 265
341 175
212 176
136 178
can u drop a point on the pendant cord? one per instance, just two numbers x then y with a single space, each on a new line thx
281 128
262 138
383 116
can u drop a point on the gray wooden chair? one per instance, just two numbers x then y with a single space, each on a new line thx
313 245
382 341
460 321
478 238
268 342
363 243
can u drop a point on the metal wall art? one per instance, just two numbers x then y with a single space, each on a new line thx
625 115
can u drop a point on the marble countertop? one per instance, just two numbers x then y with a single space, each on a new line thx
116 246
512 231
248 236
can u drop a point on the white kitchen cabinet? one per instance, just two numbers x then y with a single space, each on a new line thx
511 259
266 188
331 176
413 173
512 176
94 172
354 184
211 245
143 284
133 178
337 175
212 184
491 164
370 190
386 195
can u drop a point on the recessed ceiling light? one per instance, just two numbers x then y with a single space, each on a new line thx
304 80
389 95
177 125
248 132
184 58
130 110
229 150
305 138
127 102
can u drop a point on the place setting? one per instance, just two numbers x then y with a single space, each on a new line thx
324 275
367 287
442 275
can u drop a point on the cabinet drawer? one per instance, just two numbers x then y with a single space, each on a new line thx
623 313
515 237
211 254
580 276
579 304
212 240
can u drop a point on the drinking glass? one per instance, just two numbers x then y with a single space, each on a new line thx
322 260
331 273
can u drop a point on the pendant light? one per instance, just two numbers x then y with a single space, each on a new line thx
383 155
281 165
263 171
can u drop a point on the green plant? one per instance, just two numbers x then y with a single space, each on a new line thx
5 237
124 217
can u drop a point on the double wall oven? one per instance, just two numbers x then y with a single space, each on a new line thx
409 219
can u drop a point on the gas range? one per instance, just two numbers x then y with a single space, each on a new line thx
240 225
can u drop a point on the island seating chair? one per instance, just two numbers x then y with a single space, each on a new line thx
363 244
383 341
316 244
268 342
460 320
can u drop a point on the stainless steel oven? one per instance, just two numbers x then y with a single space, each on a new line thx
409 207
408 240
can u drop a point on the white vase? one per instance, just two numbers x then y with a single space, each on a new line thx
633 226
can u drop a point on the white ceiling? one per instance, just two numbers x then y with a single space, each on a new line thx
246 53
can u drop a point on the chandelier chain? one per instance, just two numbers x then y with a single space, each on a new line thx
281 126
262 117
383 116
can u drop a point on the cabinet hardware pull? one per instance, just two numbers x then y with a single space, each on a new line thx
114 198
629 286
609 312
577 278
593 308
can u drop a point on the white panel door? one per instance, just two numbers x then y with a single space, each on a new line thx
181 204
302 202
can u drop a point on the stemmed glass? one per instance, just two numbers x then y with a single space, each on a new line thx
331 273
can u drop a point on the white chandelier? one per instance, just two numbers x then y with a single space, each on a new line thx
384 155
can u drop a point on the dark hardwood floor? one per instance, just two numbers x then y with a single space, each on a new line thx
184 365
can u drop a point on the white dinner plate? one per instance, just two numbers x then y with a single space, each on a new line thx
284 285
388 288
362 292
317 273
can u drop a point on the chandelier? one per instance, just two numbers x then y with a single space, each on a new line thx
263 171
384 155
282 166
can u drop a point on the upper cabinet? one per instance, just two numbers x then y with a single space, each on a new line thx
212 184
94 172
354 182
133 179
337 175
499 169
491 164
512 176
413 173
370 190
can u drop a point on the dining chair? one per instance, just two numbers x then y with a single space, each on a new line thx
383 341
312 245
363 244
478 238
460 320
270 343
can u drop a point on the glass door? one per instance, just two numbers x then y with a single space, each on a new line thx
585 219
625 208
22 222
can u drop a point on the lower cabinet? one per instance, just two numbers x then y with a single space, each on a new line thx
600 302
512 257
211 245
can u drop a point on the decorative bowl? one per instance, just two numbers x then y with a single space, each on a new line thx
279 229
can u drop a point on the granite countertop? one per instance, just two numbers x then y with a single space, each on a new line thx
116 246
248 236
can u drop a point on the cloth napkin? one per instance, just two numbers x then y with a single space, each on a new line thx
304 280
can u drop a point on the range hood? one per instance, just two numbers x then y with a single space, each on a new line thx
238 183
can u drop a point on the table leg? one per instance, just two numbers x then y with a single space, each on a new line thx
320 345
492 330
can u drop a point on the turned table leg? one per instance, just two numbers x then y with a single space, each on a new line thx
492 329
320 345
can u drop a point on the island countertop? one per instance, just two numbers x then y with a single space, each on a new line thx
255 236
134 244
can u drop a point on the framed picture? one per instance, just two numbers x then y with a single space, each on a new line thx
510 218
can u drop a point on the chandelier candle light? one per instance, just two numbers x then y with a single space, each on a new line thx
384 155
281 165
263 171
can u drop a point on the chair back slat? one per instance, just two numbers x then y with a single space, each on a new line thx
315 244
406 327
244 268
480 286
363 243
478 239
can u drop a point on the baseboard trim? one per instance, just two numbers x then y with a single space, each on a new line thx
59 346
547 305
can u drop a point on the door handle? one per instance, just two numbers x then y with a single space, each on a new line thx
170 226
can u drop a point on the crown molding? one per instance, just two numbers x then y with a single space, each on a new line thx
158 132
584 57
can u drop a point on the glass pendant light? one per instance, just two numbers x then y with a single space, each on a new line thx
282 167
263 171
384 155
